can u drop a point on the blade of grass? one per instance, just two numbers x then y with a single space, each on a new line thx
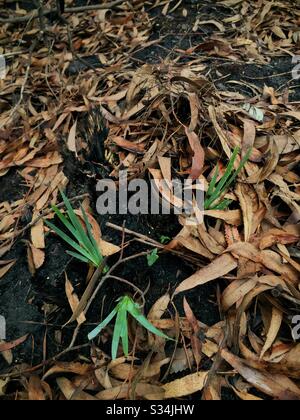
79 257
223 205
65 221
81 234
213 182
93 334
121 316
222 183
135 312
241 166
124 336
67 239
94 244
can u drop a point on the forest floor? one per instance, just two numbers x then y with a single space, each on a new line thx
178 85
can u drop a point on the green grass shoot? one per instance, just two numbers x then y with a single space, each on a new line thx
153 257
217 189
125 305
81 240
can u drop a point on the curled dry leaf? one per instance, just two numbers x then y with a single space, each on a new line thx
68 367
276 320
156 313
199 154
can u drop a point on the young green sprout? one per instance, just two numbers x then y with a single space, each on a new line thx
217 189
126 304
153 257
81 240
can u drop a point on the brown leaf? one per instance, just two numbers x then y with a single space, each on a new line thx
185 386
195 342
249 136
199 154
7 265
73 300
232 217
71 392
276 386
68 367
37 233
72 138
38 257
128 145
182 360
7 355
275 325
12 344
236 291
147 391
246 203
216 269
35 390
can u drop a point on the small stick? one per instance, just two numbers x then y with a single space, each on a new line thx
137 289
131 232
151 242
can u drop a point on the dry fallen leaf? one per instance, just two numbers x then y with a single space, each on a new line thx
185 386
221 266
73 300
5 266
276 386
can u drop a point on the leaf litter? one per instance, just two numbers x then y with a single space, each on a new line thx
164 119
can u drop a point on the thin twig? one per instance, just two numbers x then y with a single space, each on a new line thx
16 373
137 289
151 242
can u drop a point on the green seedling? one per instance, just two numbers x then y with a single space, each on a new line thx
165 240
217 189
125 305
153 257
82 241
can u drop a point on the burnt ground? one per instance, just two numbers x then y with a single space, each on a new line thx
23 298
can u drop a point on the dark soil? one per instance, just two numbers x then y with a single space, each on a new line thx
23 297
